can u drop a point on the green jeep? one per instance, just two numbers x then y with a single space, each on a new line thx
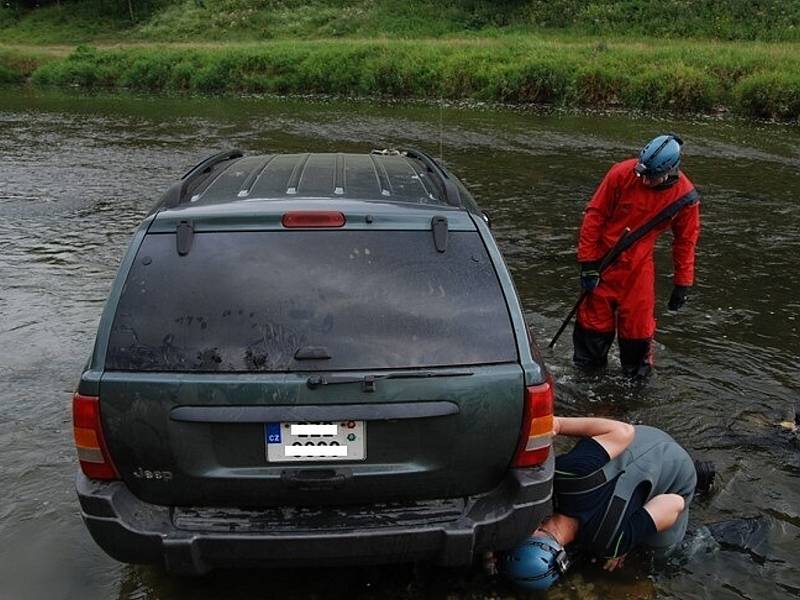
313 359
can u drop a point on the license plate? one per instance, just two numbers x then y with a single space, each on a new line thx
315 441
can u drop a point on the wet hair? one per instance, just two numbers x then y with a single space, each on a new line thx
706 474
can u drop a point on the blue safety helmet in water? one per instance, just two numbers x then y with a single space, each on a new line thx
536 563
660 158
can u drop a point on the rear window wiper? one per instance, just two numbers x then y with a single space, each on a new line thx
368 381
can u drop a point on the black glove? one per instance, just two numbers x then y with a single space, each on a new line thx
678 297
590 275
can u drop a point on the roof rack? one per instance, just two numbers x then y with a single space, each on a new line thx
177 193
451 193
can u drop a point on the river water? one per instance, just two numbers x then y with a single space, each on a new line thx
78 173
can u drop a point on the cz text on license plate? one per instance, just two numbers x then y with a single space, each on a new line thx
315 441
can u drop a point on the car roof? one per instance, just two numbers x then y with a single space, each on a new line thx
232 190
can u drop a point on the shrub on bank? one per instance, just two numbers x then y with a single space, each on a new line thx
9 76
86 67
677 88
534 80
599 85
17 65
760 83
769 95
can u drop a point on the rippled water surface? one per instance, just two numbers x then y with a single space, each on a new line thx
78 173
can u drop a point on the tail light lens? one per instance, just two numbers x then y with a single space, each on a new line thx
93 453
536 435
306 218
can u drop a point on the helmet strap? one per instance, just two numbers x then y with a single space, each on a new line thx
672 179
562 561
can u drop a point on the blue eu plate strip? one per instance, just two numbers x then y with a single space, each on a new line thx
273 433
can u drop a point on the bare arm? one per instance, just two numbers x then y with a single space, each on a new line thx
613 436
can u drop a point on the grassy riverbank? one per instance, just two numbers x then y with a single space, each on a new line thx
565 53
85 21
756 80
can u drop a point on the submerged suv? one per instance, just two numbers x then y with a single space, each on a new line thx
313 359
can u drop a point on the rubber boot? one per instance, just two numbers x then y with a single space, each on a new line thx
590 348
636 358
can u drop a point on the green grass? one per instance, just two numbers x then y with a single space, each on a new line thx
766 20
16 64
769 95
81 21
633 54
753 79
71 23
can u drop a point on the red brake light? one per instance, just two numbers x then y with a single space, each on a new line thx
93 453
317 218
536 434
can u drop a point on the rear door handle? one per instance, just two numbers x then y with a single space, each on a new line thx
316 479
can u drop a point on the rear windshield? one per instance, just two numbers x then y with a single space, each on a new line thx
251 301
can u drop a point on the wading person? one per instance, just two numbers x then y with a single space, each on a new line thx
620 487
645 195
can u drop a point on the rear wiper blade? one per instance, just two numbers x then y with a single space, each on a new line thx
369 381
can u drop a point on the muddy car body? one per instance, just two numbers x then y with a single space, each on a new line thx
313 359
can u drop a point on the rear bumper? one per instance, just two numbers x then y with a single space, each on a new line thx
195 541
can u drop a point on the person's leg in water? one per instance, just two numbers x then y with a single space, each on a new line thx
594 329
636 323
699 540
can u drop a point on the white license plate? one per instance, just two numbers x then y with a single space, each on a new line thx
318 441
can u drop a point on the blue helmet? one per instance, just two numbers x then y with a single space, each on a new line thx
536 563
661 156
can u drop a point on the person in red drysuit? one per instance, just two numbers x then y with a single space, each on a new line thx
623 300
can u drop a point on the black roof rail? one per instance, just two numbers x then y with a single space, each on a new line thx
177 193
451 193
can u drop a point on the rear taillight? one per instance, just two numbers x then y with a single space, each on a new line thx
317 218
537 425
92 450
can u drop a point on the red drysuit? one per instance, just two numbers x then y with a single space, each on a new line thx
625 298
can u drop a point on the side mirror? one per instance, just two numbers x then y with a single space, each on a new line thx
487 219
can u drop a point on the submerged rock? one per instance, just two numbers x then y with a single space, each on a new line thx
743 535
748 536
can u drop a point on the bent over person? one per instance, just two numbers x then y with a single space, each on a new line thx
640 195
619 488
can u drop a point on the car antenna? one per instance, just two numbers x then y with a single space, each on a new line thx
441 129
